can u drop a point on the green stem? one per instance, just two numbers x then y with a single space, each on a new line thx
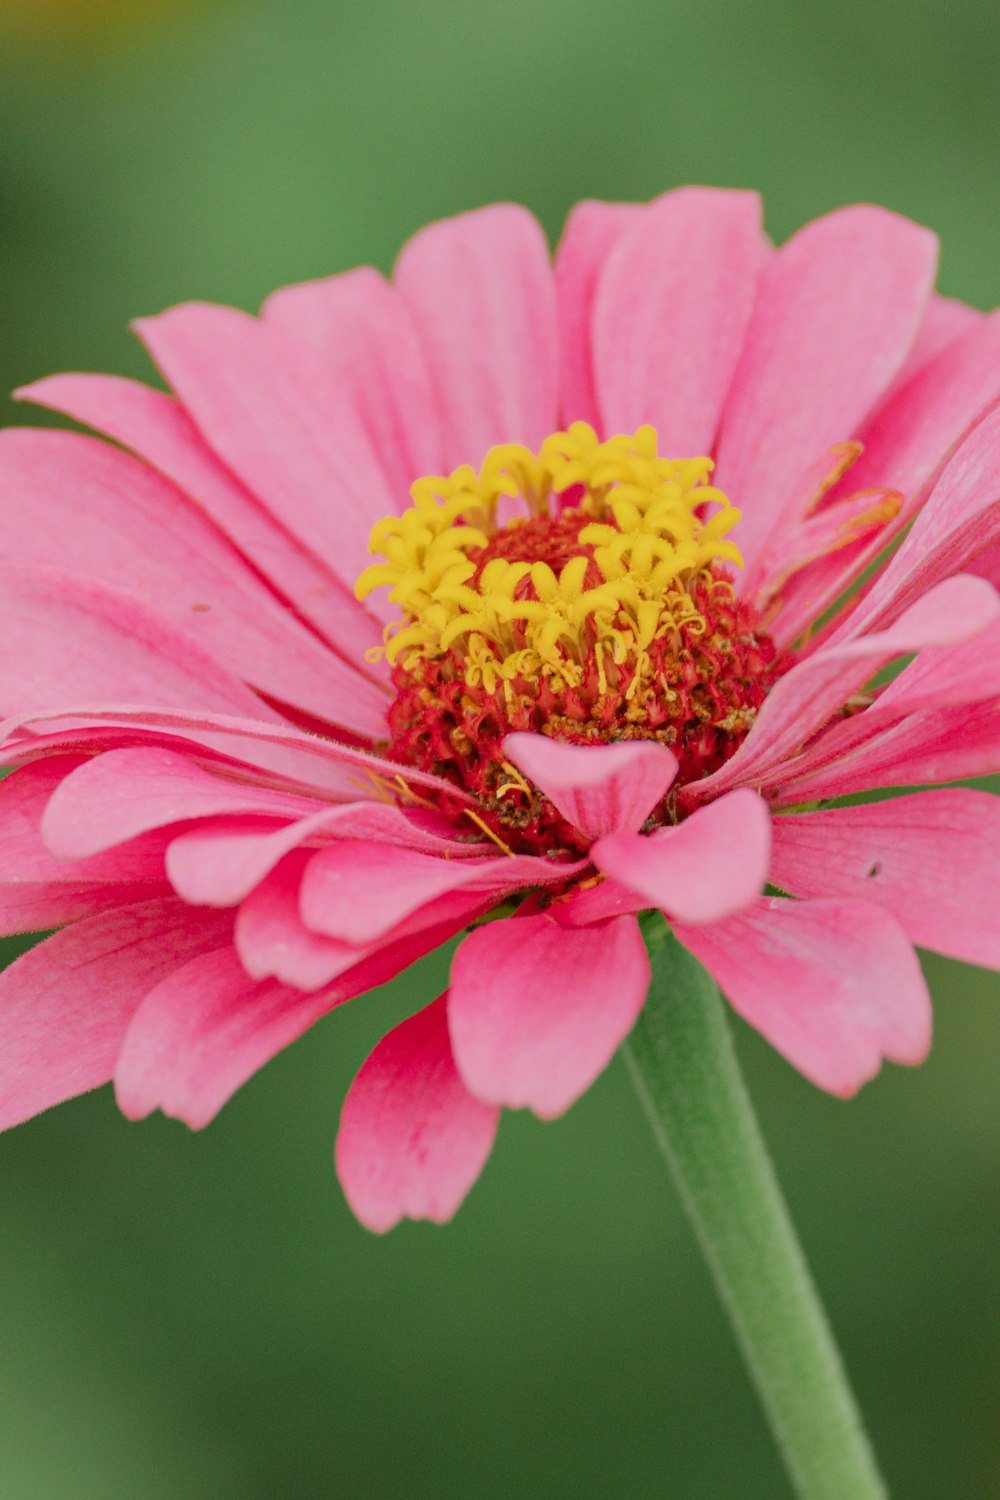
682 1060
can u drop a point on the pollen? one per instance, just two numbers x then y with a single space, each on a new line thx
583 592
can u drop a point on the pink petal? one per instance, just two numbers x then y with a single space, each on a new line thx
412 1138
158 429
24 796
198 1036
834 986
837 309
361 329
950 744
596 901
908 438
319 766
930 859
284 426
64 1006
481 293
537 1010
671 312
959 519
938 679
274 942
591 231
357 892
220 865
809 696
600 789
67 640
38 892
945 320
123 793
711 866
201 1033
33 906
119 524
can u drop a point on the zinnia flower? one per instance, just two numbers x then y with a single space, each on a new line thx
511 591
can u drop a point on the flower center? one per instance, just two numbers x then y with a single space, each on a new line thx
584 592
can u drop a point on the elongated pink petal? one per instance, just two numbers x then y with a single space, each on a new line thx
908 438
809 696
834 986
36 906
64 1006
67 640
412 1138
219 865
357 891
930 859
123 793
481 293
591 231
537 1010
938 679
672 308
711 866
959 519
201 1032
837 309
309 763
362 331
282 424
115 521
600 789
935 745
156 427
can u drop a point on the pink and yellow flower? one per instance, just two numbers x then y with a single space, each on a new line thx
511 589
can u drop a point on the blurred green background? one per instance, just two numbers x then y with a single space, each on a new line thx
198 1317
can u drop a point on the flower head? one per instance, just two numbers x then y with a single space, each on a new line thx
554 594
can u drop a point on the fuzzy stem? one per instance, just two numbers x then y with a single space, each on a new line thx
684 1067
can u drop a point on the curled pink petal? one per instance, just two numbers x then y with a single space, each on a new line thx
117 796
219 865
412 1138
600 789
357 891
709 867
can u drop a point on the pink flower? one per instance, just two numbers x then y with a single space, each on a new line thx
601 684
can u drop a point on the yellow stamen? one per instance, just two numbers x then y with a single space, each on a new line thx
649 526
488 831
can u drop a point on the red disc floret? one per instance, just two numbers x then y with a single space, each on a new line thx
697 691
